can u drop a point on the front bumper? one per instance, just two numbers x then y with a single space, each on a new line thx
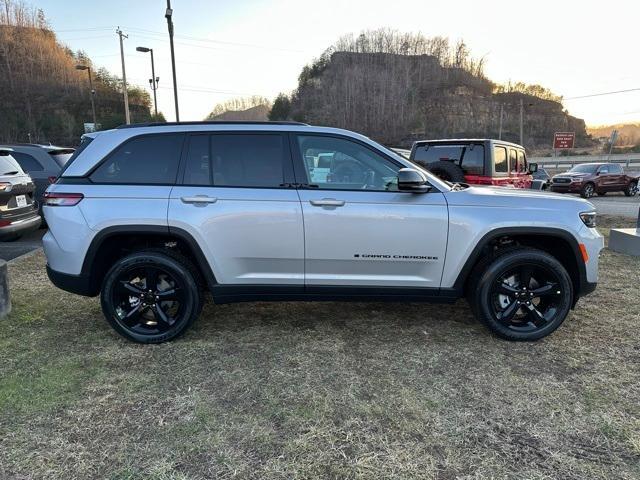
574 187
20 227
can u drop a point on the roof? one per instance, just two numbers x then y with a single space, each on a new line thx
49 148
469 140
207 122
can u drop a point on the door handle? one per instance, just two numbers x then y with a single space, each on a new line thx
199 199
327 202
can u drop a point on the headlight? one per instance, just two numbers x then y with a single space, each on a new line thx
576 179
589 219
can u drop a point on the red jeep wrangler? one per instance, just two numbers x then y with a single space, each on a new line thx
475 161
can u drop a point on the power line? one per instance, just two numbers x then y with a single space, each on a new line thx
603 93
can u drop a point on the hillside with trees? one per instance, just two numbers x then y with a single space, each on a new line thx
43 98
397 87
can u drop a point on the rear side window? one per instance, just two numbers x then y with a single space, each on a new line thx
27 162
149 160
500 159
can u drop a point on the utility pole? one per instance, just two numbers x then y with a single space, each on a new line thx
500 130
521 122
127 118
92 93
168 15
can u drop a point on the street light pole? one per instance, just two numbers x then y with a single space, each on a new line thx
127 118
168 15
154 80
92 93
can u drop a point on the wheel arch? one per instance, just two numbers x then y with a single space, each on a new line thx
557 242
114 242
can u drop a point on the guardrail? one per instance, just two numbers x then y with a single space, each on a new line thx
629 160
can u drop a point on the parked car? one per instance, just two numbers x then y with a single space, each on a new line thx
43 163
541 177
589 179
18 207
287 211
475 161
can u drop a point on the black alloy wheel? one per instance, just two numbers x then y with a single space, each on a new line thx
150 297
527 297
521 293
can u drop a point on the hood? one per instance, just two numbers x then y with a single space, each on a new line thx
515 198
573 174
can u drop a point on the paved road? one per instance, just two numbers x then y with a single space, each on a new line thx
28 243
617 204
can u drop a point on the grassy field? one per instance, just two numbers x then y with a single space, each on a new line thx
324 390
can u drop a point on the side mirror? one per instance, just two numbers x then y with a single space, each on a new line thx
410 180
533 167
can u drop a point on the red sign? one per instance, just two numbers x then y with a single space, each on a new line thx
562 140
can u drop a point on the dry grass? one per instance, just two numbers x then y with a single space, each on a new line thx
323 390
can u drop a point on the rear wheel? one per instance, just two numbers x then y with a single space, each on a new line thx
447 171
521 294
631 189
151 297
588 190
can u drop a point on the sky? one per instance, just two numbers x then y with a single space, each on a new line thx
226 49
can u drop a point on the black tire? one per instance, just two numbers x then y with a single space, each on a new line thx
588 190
447 171
139 313
502 305
631 189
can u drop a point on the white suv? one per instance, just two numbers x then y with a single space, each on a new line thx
150 216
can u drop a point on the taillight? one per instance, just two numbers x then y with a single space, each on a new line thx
54 199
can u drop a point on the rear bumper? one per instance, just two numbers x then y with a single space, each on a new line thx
78 284
20 227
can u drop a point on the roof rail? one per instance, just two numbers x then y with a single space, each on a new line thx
209 122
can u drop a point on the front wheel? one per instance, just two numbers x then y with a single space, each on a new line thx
588 190
151 297
631 190
521 294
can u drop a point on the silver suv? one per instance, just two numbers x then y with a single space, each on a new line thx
151 216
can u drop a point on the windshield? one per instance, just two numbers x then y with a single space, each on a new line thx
584 169
8 166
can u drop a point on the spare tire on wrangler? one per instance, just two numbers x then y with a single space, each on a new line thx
447 171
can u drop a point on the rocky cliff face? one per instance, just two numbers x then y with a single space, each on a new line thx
400 98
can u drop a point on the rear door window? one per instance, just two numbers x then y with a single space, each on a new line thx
146 160
513 161
500 159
